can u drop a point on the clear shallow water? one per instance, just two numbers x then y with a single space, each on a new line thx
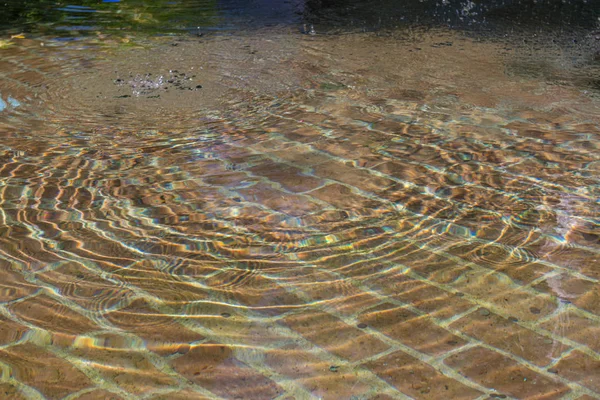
367 215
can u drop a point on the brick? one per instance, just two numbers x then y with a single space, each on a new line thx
426 155
180 395
576 328
524 274
247 161
500 291
47 313
498 231
227 150
275 145
497 372
350 175
582 369
91 245
12 284
315 374
10 331
307 116
302 156
269 267
302 134
52 376
342 197
344 147
413 330
110 340
234 325
196 269
98 394
352 264
336 293
28 77
488 255
506 335
214 367
258 293
171 289
230 180
8 391
22 246
422 204
434 267
335 336
418 379
417 174
358 113
504 259
163 333
130 370
431 300
291 204
290 178
583 293
85 288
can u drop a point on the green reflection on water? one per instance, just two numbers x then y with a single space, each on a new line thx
84 16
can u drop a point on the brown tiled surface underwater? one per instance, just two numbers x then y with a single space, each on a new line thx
353 244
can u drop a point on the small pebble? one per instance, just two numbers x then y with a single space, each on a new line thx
362 325
534 310
484 311
225 315
513 319
553 370
334 368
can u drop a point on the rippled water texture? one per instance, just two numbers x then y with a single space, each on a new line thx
268 214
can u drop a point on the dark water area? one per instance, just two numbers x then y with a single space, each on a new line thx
164 16
568 29
567 26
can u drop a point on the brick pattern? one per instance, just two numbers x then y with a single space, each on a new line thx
341 254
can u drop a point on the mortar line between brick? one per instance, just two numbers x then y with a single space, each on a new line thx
532 326
433 363
396 345
574 386
484 345
157 361
30 392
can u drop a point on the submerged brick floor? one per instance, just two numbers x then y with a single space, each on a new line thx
339 254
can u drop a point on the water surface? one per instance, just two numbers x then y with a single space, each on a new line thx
267 202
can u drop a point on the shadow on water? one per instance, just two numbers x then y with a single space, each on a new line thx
168 16
374 14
